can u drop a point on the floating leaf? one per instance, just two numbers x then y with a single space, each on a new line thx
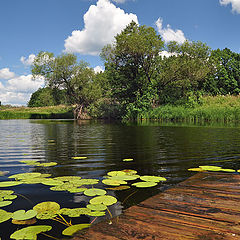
227 170
5 203
50 164
127 159
9 184
85 181
97 214
196 169
119 188
97 207
24 222
125 177
4 215
113 182
46 210
74 212
129 171
74 228
22 215
94 192
30 162
106 200
67 178
79 158
77 190
21 176
144 184
3 173
51 182
33 180
210 168
30 233
152 178
116 173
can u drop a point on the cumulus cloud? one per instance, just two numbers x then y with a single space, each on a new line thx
17 90
235 4
29 60
168 34
98 69
5 73
101 23
119 1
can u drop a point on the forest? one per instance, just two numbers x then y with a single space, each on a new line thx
143 74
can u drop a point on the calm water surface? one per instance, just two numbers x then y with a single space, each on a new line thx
166 151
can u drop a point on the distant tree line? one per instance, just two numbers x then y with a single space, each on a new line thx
137 76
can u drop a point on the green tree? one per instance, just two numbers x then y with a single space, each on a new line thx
182 75
64 72
130 64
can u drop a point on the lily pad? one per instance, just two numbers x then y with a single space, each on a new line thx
152 178
51 182
74 228
97 214
94 192
46 210
21 176
210 168
106 200
9 183
112 182
144 184
85 181
30 162
127 159
125 177
97 207
74 212
49 164
77 190
196 169
67 178
34 180
22 215
227 170
116 173
119 188
5 203
24 222
129 171
4 215
30 233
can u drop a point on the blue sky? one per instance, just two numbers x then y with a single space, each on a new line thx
83 27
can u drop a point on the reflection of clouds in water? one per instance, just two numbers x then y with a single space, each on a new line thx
115 209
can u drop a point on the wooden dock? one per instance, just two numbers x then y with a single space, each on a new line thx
204 207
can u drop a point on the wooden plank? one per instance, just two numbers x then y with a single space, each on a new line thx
204 207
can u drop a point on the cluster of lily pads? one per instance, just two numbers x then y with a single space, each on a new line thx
212 169
97 206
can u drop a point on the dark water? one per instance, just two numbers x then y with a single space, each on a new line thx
166 151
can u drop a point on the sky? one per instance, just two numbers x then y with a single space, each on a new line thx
84 27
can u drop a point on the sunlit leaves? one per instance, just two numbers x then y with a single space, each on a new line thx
119 188
22 215
211 169
21 176
77 158
74 228
144 184
112 182
30 233
38 164
5 203
4 215
74 212
46 210
106 200
127 159
94 192
9 184
97 207
152 178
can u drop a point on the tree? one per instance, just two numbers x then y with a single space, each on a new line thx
130 64
183 73
65 73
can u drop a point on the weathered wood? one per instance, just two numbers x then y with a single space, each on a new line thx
204 207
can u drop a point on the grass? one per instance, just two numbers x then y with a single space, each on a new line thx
51 112
218 109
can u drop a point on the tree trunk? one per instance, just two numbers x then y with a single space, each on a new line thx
80 112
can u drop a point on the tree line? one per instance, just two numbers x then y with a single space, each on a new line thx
137 76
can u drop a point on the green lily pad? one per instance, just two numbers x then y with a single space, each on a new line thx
51 182
85 181
4 215
24 222
6 193
97 214
21 176
94 192
106 200
50 164
30 162
79 158
97 207
30 233
74 212
144 184
22 215
125 177
116 173
3 173
35 180
46 210
77 190
9 183
5 203
112 182
196 169
152 178
67 178
210 168
74 228
129 171
127 159
227 170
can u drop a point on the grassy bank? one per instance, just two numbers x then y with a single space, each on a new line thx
218 109
52 112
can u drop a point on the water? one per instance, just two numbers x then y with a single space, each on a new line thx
160 150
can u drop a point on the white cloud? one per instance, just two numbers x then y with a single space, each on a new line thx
98 69
235 4
119 1
169 34
17 90
28 61
6 74
102 22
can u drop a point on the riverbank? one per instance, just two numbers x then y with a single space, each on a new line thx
224 109
52 112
